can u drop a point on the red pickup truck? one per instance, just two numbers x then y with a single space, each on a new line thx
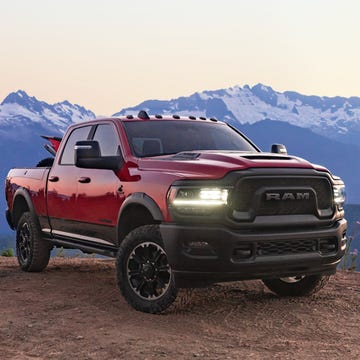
180 202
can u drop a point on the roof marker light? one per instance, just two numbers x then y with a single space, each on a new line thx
143 115
158 116
192 117
202 118
129 117
176 116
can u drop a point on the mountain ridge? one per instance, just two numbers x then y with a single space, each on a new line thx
18 108
334 117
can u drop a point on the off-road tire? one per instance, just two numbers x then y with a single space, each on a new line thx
33 253
144 276
301 286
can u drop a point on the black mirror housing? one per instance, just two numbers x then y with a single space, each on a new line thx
278 149
88 155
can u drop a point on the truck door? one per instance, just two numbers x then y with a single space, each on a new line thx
98 196
83 204
62 186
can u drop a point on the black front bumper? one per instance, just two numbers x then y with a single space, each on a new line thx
201 255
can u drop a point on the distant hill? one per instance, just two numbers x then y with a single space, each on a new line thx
333 117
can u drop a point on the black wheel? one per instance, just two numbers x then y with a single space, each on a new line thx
144 275
33 253
297 285
47 162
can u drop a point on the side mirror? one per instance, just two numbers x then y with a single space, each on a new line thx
279 149
87 155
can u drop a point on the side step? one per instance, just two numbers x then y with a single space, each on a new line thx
85 246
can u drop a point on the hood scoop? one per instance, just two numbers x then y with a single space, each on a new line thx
185 156
266 157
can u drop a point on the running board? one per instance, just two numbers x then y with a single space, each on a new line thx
84 246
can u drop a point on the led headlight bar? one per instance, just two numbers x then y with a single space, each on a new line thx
339 195
198 197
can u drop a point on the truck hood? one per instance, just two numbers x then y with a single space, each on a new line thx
215 164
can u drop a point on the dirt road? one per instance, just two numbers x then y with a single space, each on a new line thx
73 310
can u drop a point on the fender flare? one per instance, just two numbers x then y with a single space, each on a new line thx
145 201
21 192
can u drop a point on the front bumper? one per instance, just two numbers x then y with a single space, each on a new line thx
201 255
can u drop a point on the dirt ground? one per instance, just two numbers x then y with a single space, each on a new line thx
73 310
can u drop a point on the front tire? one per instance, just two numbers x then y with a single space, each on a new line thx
33 253
144 275
297 285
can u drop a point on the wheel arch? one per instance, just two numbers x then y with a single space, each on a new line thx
137 210
21 203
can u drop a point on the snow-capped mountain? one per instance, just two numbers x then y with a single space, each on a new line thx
19 111
334 117
22 120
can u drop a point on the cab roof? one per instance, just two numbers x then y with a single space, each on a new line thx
143 115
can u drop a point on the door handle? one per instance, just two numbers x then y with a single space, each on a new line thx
53 178
84 180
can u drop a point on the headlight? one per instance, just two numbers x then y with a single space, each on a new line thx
339 195
197 200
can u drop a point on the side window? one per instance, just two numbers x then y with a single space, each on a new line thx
108 140
78 134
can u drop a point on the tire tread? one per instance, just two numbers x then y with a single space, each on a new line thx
141 234
40 254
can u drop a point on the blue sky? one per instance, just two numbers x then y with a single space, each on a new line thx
111 54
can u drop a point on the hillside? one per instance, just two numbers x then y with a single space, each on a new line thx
336 117
73 310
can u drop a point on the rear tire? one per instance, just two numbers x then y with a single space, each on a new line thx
297 285
144 275
33 253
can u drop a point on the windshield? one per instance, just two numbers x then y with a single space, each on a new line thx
154 138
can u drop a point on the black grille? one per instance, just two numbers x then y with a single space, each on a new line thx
250 196
322 246
286 247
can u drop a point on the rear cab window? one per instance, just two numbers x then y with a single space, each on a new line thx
78 134
107 137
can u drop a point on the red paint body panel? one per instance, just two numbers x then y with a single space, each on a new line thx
34 181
